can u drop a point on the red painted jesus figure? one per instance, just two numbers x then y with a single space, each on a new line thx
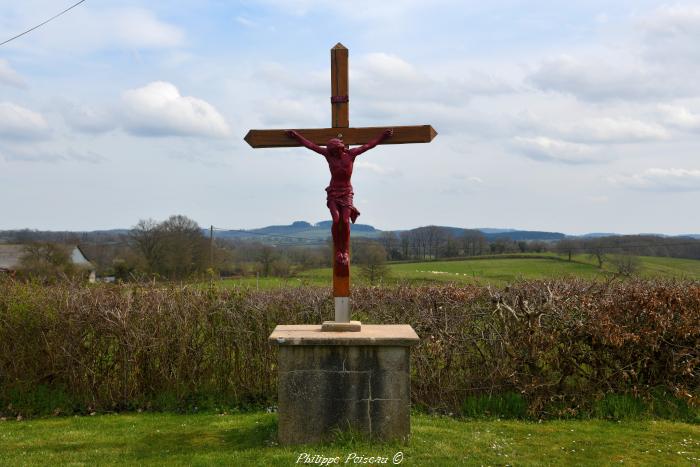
339 200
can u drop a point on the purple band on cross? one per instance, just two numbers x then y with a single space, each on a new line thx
339 99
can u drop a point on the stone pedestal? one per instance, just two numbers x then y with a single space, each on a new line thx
330 381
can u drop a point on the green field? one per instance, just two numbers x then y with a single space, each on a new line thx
491 270
670 267
494 271
500 271
249 439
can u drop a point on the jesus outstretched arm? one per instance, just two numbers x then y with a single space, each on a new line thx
366 147
306 143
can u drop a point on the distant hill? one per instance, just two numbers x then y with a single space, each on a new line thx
511 234
299 232
596 235
488 230
518 235
303 232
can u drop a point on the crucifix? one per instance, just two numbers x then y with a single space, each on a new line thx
340 158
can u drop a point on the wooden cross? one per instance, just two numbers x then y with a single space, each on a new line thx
340 121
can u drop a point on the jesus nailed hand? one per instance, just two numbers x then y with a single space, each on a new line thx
339 200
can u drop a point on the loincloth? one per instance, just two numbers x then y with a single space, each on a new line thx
342 197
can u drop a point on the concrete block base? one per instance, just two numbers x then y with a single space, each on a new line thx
337 381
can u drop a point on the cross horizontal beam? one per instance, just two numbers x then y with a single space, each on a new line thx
320 136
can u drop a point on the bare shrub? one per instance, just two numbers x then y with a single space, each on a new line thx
626 264
560 344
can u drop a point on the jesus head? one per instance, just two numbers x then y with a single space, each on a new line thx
335 146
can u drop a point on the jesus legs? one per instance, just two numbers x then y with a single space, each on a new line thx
341 233
343 230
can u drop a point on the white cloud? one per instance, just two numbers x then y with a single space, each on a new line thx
553 150
654 64
383 77
19 123
680 117
158 109
595 130
615 130
598 80
390 67
10 77
657 179
388 77
671 34
616 78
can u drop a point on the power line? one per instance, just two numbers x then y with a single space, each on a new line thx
40 25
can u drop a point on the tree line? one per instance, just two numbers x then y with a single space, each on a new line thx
178 248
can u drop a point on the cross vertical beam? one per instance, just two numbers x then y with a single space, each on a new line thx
340 106
340 118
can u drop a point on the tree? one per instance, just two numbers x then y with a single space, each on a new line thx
597 249
567 246
435 237
626 264
47 261
451 246
186 248
405 239
390 242
146 237
123 271
175 248
502 245
281 267
266 256
473 243
371 257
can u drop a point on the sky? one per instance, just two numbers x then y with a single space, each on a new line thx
576 116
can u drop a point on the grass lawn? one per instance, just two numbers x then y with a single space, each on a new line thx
493 270
248 439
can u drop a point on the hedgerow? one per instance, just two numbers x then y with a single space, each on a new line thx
546 348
